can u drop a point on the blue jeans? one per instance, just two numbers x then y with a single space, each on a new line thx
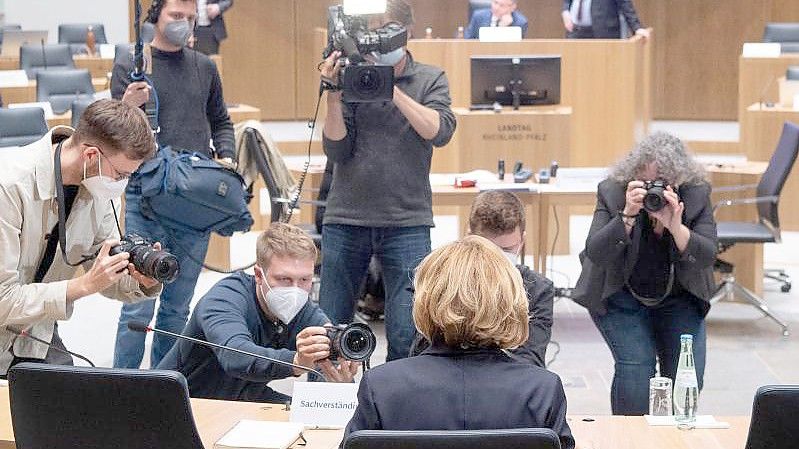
638 336
173 308
346 252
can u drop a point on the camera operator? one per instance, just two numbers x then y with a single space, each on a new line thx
37 285
191 113
380 201
267 314
648 266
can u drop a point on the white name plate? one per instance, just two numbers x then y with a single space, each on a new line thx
323 404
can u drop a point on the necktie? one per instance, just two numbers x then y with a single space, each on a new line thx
580 11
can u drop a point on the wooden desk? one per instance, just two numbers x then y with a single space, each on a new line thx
214 418
605 82
757 79
760 132
27 94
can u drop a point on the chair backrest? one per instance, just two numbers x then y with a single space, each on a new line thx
75 33
792 73
36 57
774 424
781 32
278 209
453 439
474 5
62 87
78 106
61 407
21 126
779 167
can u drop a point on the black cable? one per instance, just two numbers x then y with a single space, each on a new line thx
306 168
26 334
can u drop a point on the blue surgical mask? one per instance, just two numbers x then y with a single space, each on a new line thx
390 58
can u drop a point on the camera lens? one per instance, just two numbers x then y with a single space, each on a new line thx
654 199
159 265
352 342
369 80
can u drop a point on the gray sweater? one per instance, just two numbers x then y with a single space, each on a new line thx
192 108
381 176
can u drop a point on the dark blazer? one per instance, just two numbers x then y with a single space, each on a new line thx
218 23
482 18
450 389
605 17
541 298
610 254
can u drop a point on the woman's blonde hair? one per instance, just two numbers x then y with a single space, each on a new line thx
469 295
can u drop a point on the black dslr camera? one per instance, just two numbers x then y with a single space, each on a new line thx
159 265
362 81
654 199
354 341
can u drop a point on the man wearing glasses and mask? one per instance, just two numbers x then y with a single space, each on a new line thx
191 113
82 172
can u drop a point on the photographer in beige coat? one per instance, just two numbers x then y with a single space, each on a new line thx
37 280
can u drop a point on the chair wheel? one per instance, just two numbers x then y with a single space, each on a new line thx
786 287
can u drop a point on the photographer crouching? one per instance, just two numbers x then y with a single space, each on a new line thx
267 315
382 124
57 195
648 265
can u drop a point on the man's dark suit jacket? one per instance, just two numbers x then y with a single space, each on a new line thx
218 23
610 254
456 389
605 17
482 18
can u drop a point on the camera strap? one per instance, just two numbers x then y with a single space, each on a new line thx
61 226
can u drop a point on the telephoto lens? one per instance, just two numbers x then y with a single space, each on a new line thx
354 341
159 265
654 199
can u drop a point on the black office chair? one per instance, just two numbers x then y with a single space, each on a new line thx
8 27
67 407
453 439
774 424
766 229
78 106
785 33
36 57
792 74
21 126
62 87
74 34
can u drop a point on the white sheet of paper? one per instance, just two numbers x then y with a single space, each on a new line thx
323 404
13 78
702 422
762 50
248 434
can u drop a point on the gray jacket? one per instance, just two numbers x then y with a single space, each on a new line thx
610 254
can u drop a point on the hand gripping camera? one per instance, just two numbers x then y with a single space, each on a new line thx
654 199
354 341
362 81
159 265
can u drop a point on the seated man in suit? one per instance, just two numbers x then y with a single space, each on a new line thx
470 303
501 14
267 314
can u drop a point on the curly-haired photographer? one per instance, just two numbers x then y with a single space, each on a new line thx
648 265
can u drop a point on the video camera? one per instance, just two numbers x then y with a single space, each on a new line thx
362 81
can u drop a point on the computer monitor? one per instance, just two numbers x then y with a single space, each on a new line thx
516 80
13 39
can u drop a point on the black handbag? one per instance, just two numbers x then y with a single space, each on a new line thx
190 192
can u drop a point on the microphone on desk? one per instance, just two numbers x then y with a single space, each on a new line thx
763 93
44 55
141 327
23 333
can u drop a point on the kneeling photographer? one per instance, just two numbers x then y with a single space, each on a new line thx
380 131
57 196
648 265
269 315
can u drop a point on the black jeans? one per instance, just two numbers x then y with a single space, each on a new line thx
206 41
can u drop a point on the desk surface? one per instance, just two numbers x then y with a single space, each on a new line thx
215 418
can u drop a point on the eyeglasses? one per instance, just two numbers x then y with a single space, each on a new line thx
120 175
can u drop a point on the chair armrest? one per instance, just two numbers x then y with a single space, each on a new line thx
740 201
738 188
